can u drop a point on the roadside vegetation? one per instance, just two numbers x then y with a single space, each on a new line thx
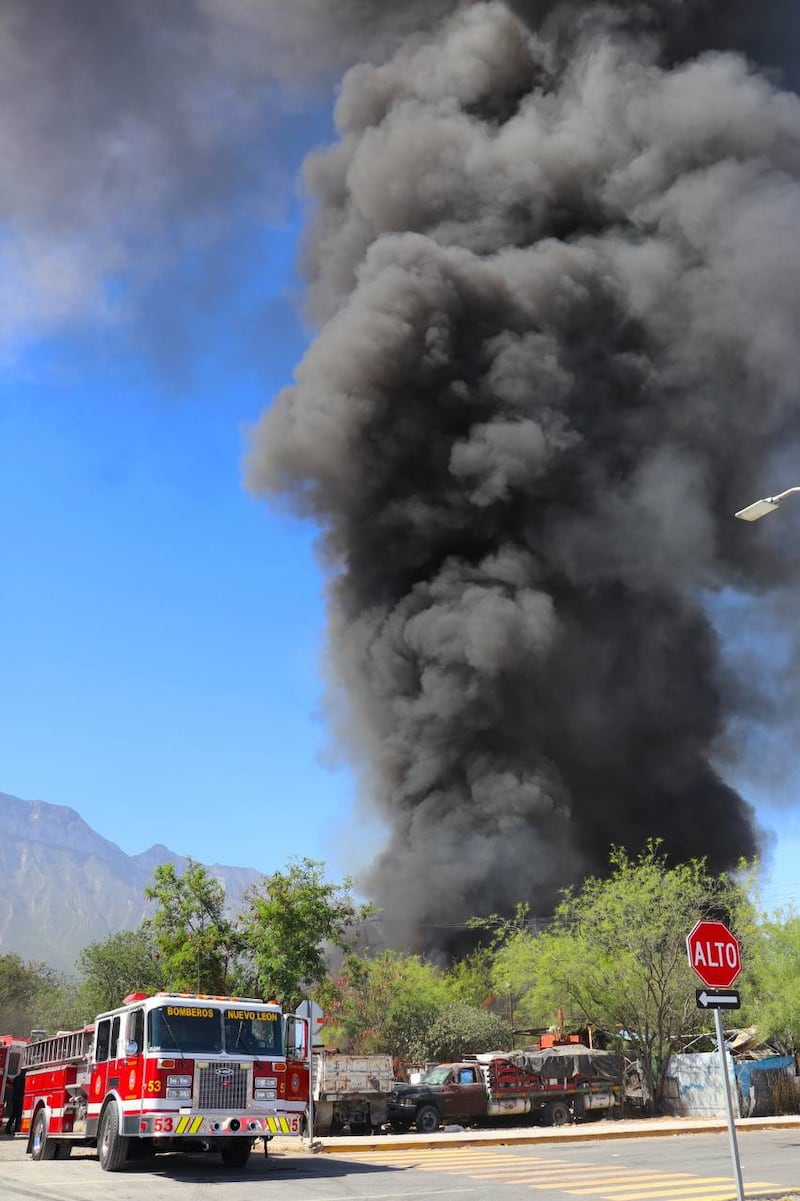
610 959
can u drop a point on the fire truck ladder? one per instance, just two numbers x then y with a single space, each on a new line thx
59 1048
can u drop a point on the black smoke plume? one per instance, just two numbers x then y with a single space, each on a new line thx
554 260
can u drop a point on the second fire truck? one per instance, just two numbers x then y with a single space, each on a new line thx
11 1052
173 1071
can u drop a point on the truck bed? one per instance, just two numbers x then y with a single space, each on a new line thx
337 1075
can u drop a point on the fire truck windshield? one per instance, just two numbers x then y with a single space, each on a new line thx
253 1032
184 1028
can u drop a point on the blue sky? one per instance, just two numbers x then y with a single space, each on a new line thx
161 631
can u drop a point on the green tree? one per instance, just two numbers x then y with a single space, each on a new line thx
288 921
614 954
470 979
401 1005
458 1029
125 962
511 954
196 944
61 1006
383 1003
772 975
35 996
26 988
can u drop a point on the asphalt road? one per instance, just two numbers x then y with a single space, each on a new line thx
681 1168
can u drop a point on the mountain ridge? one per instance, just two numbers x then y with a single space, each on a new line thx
64 886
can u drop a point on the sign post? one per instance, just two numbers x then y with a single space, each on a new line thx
715 955
306 1010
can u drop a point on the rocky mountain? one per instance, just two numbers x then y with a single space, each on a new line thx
63 886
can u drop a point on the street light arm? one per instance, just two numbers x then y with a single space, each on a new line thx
760 508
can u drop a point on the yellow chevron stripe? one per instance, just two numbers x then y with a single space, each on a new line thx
189 1124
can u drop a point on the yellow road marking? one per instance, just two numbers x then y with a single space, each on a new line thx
628 1184
702 1195
442 1157
698 1192
569 1185
601 1176
604 1179
611 1182
515 1169
561 1170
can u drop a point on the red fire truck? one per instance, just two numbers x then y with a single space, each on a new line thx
11 1051
173 1071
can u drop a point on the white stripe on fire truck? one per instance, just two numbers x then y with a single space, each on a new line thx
128 1107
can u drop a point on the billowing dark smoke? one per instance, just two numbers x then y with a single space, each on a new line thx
130 141
554 256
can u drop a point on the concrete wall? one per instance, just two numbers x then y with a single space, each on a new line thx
694 1086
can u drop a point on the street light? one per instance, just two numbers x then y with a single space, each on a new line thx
760 508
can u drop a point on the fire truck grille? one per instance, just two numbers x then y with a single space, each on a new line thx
223 1086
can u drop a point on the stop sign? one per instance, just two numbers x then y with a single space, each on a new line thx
714 954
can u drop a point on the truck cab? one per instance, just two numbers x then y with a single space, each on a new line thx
447 1092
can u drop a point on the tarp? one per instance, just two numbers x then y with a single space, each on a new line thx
760 1081
569 1062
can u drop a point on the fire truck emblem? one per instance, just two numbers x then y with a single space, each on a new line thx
225 1075
97 1084
132 1080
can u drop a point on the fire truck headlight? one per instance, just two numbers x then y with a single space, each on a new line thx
265 1082
265 1094
179 1082
182 1094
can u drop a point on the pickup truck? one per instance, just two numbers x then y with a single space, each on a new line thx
556 1086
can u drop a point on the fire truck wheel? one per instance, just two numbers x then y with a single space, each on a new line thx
42 1147
427 1120
112 1147
236 1152
556 1113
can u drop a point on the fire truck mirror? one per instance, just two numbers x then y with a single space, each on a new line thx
135 1032
296 1037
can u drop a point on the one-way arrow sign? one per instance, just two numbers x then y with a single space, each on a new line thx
707 999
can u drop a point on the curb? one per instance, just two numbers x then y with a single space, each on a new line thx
404 1142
